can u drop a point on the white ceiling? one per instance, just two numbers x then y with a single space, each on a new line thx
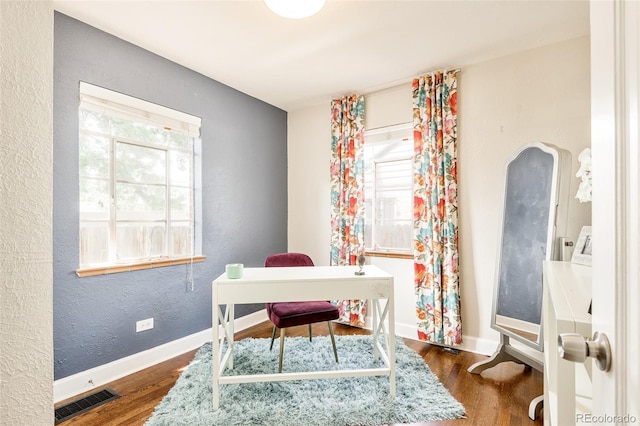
350 46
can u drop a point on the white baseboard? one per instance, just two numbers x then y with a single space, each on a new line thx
103 374
469 344
474 344
99 376
479 346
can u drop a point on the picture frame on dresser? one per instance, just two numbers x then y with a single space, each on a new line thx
582 251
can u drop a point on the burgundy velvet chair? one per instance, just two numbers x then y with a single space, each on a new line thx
290 314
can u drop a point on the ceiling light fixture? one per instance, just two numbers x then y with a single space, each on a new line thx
295 9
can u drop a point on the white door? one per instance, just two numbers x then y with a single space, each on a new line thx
615 27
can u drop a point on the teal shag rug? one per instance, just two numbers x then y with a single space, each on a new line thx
361 401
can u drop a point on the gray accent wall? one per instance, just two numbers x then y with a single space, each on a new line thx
243 209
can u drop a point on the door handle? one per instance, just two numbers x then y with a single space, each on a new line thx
574 347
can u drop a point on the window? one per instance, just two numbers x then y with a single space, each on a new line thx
136 170
388 157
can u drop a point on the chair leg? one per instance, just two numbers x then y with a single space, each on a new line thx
273 336
309 332
333 340
281 350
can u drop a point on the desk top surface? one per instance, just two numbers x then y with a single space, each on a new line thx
310 273
570 290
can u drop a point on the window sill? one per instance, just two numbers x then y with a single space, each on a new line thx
137 266
389 254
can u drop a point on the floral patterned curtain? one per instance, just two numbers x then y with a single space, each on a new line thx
347 194
436 208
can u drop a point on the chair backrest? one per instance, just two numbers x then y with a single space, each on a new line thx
288 259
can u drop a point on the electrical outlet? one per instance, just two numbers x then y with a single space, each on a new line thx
142 325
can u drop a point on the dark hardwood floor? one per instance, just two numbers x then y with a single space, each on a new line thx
500 396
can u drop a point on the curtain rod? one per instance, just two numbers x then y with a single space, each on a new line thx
390 85
395 84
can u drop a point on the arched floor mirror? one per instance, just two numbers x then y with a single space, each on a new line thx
534 217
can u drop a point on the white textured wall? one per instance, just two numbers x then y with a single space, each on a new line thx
26 343
537 95
308 156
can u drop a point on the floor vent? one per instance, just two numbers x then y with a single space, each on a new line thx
83 404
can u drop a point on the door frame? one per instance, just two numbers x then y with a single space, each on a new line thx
615 208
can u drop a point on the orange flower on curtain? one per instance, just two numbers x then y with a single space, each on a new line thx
436 278
347 194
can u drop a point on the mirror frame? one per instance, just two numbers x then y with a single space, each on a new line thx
556 227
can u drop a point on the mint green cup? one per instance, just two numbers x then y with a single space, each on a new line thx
234 270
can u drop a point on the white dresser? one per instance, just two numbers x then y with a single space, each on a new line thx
566 300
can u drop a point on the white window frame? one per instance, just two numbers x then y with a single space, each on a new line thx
379 134
133 109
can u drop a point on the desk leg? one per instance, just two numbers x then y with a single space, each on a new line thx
375 320
382 329
215 351
392 345
231 325
389 336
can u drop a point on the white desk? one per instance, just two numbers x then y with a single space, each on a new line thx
261 285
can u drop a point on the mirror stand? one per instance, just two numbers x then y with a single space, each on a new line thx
505 352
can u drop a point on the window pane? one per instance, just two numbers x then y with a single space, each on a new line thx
401 149
180 168
94 156
393 220
179 140
139 131
140 164
94 121
180 203
394 235
140 240
94 199
388 185
140 202
94 243
393 175
392 205
181 239
135 178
